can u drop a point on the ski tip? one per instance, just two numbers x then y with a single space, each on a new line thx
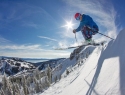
60 48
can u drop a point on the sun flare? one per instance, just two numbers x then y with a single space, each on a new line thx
69 25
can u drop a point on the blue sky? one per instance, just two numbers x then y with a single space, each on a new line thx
33 28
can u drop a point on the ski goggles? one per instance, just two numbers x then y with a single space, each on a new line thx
78 17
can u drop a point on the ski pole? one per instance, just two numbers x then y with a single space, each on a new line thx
102 34
106 36
76 39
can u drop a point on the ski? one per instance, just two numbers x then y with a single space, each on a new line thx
93 44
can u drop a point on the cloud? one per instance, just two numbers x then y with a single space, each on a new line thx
3 40
24 14
31 24
7 48
47 38
36 54
31 51
20 47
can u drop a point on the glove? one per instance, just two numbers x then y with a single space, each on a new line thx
74 31
94 31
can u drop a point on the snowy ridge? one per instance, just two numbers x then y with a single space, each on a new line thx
12 66
68 64
101 74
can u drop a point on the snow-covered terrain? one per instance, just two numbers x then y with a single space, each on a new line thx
12 66
103 73
90 70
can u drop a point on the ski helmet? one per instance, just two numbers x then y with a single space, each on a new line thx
77 16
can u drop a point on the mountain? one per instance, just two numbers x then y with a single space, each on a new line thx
11 65
26 59
14 65
52 63
100 73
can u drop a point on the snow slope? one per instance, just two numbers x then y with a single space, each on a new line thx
110 74
102 74
68 64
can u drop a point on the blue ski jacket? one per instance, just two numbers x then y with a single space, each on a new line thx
86 21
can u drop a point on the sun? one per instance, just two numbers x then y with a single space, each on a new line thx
68 25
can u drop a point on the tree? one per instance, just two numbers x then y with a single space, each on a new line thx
25 88
49 74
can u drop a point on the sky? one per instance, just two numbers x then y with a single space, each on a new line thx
34 28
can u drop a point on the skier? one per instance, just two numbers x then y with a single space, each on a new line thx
87 26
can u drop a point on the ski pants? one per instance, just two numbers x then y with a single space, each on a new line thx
87 32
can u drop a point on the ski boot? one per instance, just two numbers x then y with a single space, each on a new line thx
89 41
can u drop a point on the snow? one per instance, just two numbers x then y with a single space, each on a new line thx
11 66
75 79
102 73
67 63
